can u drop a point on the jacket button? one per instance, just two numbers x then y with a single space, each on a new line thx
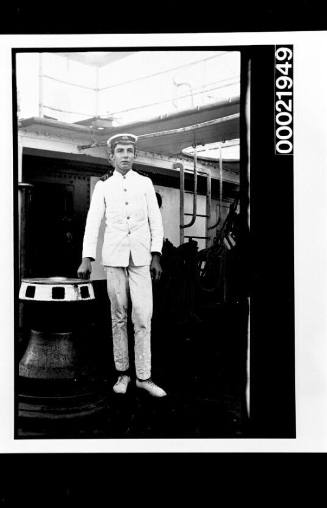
126 203
125 190
128 218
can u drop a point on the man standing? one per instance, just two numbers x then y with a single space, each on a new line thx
131 256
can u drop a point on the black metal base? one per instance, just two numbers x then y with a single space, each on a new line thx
54 407
64 407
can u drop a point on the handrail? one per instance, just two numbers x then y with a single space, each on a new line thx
207 172
195 192
220 188
179 165
220 179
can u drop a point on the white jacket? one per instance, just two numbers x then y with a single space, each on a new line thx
133 220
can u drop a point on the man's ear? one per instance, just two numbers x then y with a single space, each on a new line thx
110 157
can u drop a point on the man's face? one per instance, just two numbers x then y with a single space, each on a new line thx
123 157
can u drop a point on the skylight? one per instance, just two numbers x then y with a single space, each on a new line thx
127 88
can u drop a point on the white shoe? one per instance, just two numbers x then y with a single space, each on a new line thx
121 384
151 388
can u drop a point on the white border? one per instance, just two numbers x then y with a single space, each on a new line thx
310 79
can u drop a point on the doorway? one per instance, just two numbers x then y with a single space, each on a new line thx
53 245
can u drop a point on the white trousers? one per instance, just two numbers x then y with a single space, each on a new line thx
136 282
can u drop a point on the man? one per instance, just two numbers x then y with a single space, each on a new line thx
131 255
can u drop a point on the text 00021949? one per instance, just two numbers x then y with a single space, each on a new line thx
284 100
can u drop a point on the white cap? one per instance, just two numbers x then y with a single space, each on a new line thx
121 138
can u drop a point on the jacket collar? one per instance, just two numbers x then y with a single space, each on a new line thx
129 174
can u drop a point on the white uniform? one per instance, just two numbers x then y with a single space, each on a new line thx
133 230
133 220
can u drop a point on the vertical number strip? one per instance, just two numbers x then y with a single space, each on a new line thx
283 110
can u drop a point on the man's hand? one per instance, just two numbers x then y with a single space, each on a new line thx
155 267
85 269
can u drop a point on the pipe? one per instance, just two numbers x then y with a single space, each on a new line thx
195 192
208 206
220 180
179 165
206 171
188 128
220 188
24 201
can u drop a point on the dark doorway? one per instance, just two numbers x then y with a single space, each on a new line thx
53 231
